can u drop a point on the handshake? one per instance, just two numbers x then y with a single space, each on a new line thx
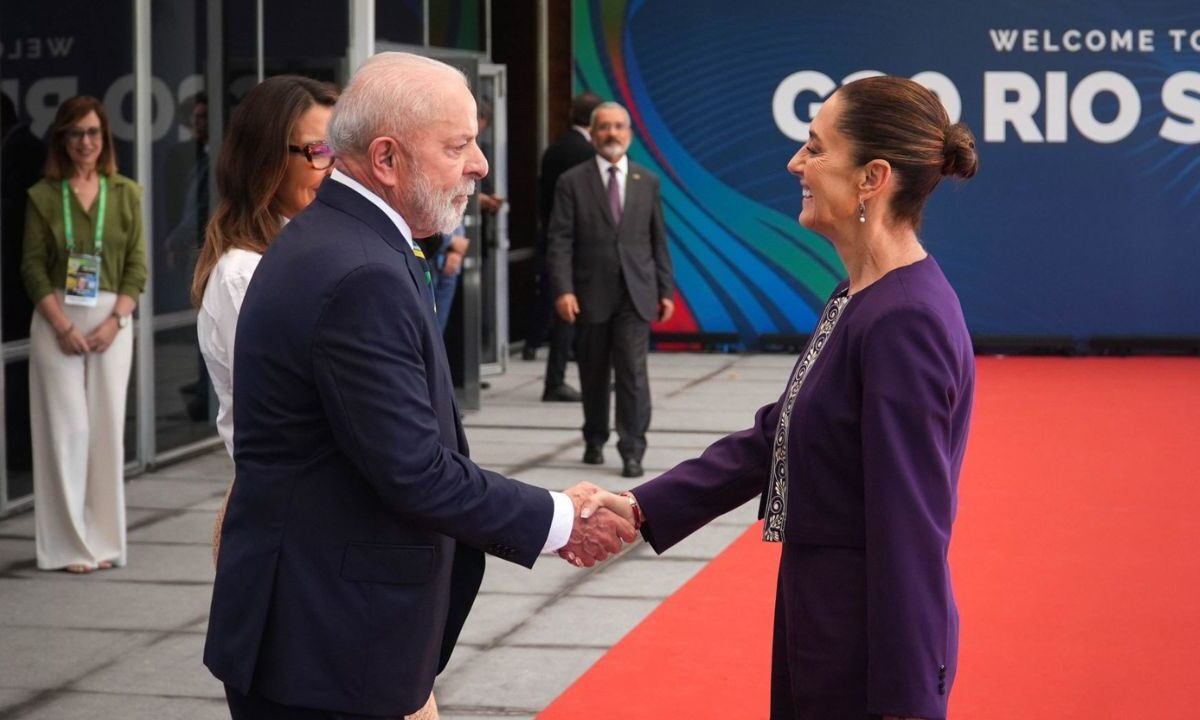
603 521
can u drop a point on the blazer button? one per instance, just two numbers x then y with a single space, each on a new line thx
941 688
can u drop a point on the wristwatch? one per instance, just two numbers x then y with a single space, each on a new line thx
122 320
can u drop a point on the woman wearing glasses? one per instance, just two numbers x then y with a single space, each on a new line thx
272 161
84 266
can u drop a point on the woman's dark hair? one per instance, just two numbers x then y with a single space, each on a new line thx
904 123
252 164
58 163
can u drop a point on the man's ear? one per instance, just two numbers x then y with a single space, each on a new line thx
876 177
383 156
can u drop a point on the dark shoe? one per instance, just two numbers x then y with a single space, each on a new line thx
633 468
593 455
561 393
528 353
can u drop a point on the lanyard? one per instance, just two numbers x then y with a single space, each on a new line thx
68 225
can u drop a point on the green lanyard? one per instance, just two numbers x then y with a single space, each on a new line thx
68 225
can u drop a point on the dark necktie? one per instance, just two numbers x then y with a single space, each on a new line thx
614 194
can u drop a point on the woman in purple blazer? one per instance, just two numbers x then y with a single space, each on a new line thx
858 460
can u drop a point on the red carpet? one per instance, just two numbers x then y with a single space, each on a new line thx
1076 560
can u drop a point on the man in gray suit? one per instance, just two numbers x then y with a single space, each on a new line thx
611 275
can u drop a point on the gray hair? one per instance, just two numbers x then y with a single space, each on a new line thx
390 94
607 105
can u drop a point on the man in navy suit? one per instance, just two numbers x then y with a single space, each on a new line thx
352 548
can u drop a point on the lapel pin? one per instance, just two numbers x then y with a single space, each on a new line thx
637 177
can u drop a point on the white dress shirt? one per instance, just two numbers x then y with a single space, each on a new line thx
564 510
622 172
215 327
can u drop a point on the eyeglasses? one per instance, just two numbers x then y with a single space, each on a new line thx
77 134
319 154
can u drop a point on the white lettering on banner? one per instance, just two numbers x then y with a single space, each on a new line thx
43 96
783 104
787 94
32 48
1177 101
1129 107
1015 99
1001 111
1034 40
1177 37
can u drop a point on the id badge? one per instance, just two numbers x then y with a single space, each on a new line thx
83 280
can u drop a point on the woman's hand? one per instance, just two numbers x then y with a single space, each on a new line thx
72 342
452 264
103 336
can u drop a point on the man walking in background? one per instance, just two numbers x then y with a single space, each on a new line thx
570 149
611 274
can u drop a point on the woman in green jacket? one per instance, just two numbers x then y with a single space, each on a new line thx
84 266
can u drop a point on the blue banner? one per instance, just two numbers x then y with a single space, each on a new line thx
1084 220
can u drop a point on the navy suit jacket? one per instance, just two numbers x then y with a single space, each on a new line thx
351 548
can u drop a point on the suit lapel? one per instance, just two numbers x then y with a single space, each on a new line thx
338 196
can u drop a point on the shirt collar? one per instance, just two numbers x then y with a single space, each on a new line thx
622 165
582 131
377 201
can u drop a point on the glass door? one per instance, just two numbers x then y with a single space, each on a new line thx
493 139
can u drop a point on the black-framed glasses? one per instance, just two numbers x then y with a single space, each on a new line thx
318 154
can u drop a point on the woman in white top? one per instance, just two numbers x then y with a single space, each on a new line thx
273 159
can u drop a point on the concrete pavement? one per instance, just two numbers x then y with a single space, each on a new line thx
127 643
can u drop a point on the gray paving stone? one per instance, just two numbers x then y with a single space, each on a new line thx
462 657
583 622
171 667
516 436
16 551
704 544
171 493
9 698
93 706
635 577
483 716
548 576
68 601
45 658
214 465
165 563
494 615
23 525
515 678
188 527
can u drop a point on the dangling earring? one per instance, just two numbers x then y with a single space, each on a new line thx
862 212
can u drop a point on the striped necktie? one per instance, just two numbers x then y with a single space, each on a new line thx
428 274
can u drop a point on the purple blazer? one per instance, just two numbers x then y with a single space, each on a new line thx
865 617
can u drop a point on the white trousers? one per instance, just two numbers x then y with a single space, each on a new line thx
77 412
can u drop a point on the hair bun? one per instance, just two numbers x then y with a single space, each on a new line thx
961 159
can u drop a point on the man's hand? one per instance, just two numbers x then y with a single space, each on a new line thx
490 203
567 307
100 338
596 535
666 308
455 253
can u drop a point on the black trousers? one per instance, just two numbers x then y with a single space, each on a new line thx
546 326
615 347
257 707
